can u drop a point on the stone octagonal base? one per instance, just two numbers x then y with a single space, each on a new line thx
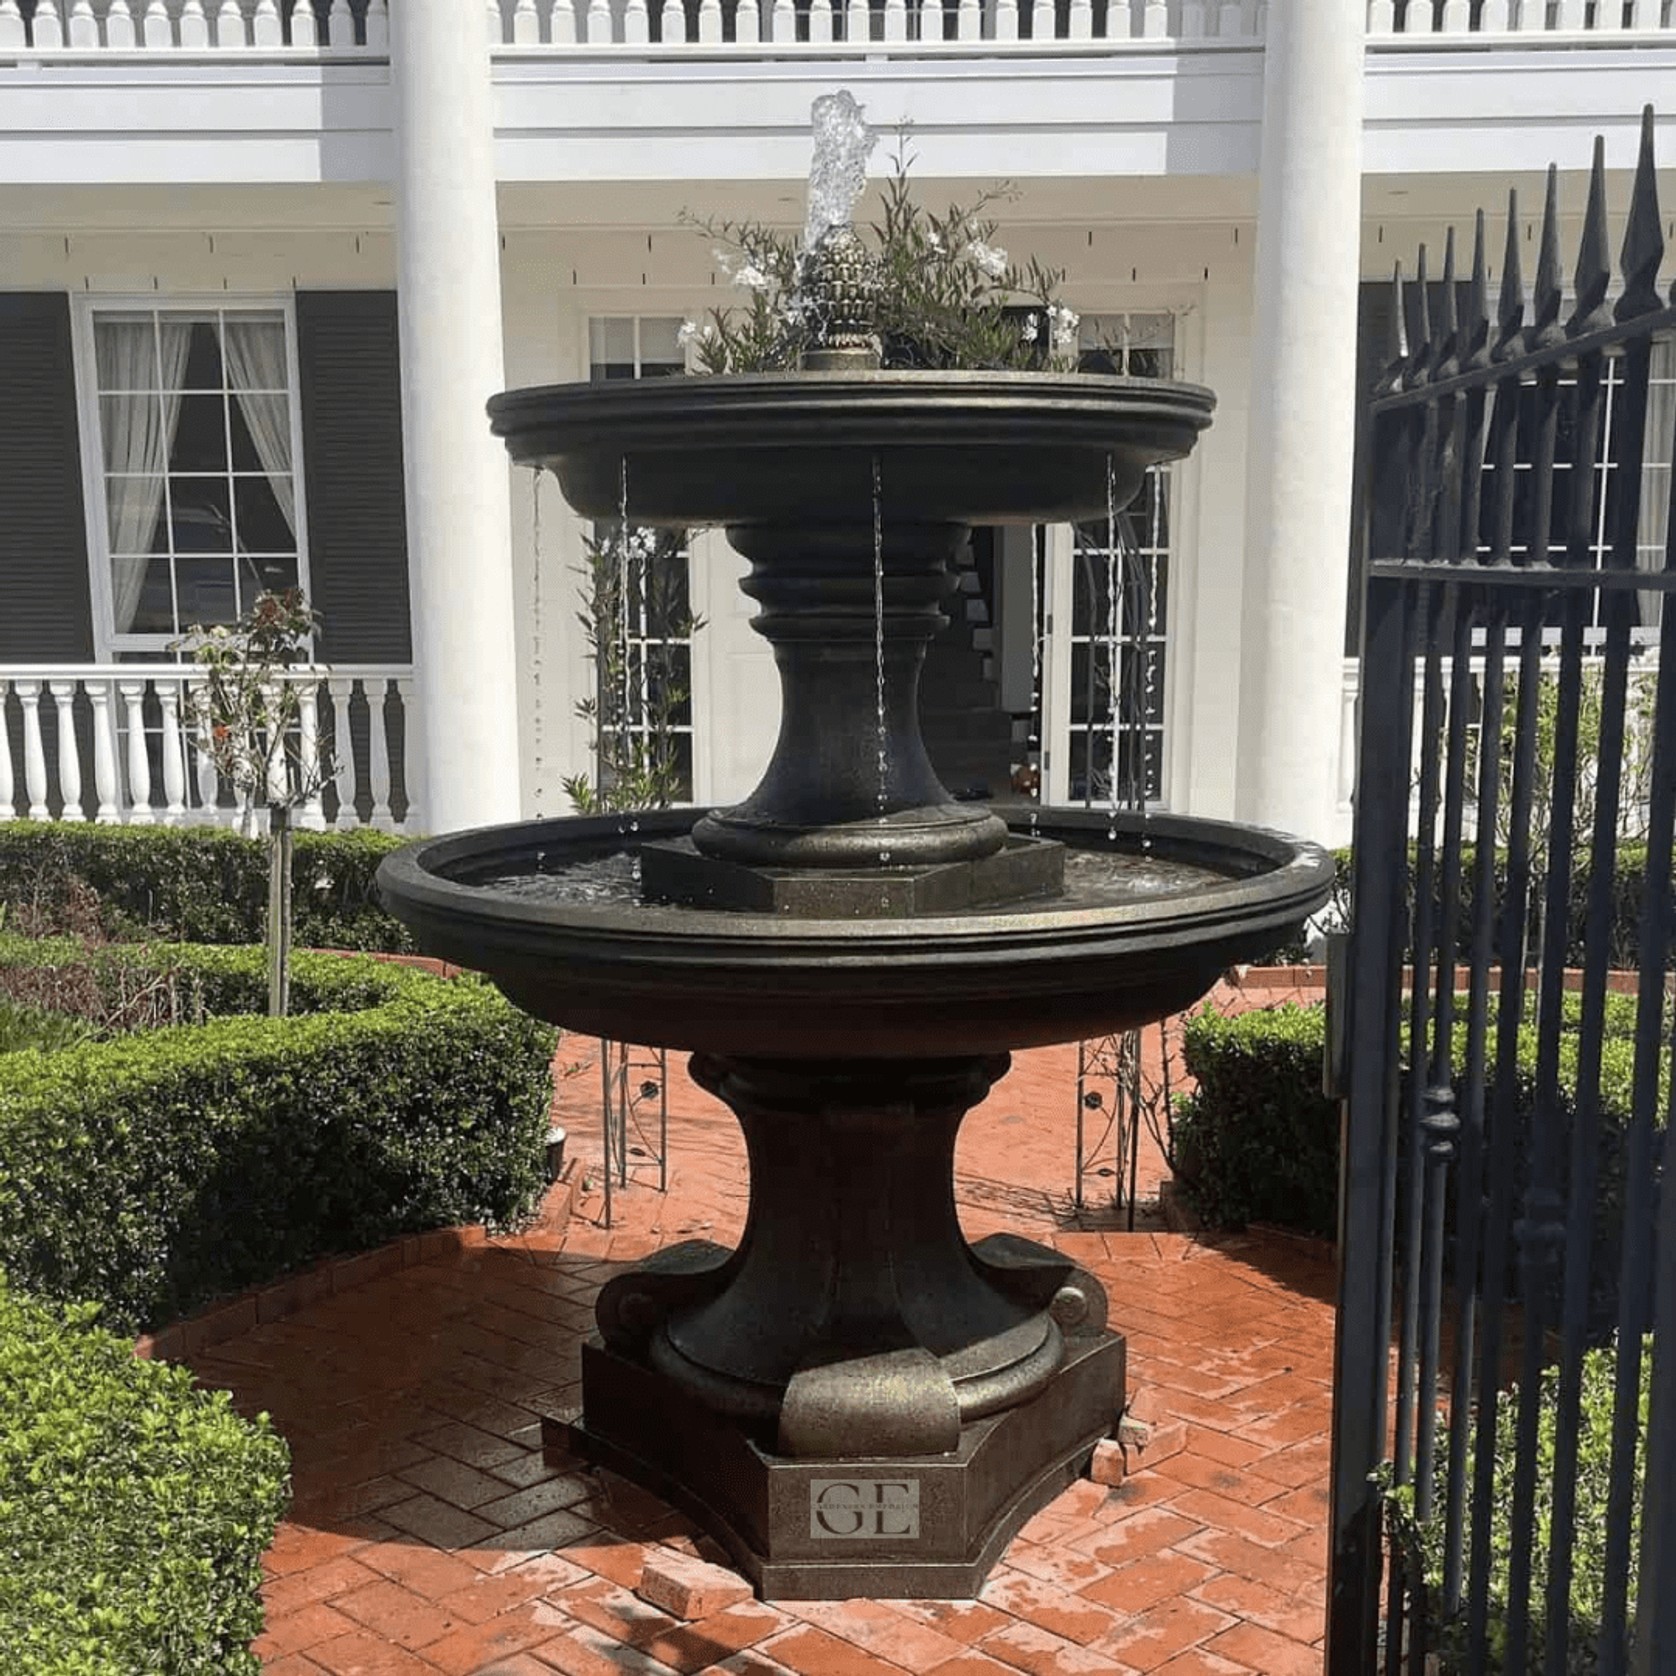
908 1527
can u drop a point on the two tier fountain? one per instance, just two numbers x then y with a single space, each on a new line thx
855 1400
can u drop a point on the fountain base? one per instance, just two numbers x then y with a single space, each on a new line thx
926 1527
1022 869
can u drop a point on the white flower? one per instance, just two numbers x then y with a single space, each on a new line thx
935 240
751 277
990 258
724 260
1031 328
687 334
1065 323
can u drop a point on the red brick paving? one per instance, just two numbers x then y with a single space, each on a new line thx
429 1535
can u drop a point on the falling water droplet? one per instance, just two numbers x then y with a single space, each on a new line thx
634 824
883 736
536 713
1112 625
625 717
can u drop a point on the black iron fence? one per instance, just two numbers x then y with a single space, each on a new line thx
1504 1472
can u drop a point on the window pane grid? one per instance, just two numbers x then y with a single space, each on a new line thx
199 480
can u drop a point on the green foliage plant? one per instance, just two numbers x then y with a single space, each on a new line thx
951 296
1422 1543
194 884
163 1168
250 718
134 1507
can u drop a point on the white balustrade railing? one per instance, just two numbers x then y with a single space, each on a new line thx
773 27
125 744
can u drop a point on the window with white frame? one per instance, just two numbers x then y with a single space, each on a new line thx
1118 659
195 500
652 600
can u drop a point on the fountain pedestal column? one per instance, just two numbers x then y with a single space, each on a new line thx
855 1400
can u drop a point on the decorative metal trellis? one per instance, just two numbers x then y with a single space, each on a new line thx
1504 1226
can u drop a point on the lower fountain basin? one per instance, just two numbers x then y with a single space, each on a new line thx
551 911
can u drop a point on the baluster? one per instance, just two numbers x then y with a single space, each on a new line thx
782 21
308 750
1609 15
378 26
1155 20
276 776
230 26
413 786
208 781
340 687
34 753
8 790
69 752
1571 14
896 20
710 20
84 25
494 22
1006 20
1382 17
858 21
1120 23
1493 19
340 25
194 25
47 32
526 24
820 20
1230 21
139 759
305 26
266 29
747 22
969 20
107 784
173 751
1194 23
561 23
672 23
636 24
378 757
599 22
1456 18
119 27
1080 23
12 30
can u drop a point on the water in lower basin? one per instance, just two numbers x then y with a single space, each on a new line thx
611 879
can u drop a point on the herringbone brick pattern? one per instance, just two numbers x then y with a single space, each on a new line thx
429 1535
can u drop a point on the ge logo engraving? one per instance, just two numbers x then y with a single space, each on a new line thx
862 1508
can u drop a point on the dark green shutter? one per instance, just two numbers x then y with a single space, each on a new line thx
45 611
349 358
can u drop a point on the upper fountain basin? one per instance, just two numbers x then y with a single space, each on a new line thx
800 448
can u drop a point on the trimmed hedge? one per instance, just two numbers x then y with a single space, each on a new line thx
134 1507
33 1027
192 884
1259 1141
158 1170
1624 932
1593 1489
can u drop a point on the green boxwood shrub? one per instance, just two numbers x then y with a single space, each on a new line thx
192 884
158 1170
1424 1545
1258 1141
134 1507
33 1027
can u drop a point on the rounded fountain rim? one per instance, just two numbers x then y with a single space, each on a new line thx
901 393
1297 884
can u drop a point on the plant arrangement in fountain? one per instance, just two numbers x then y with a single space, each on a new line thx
634 577
251 724
950 296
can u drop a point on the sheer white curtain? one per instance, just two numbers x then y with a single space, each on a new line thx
257 374
141 365
1660 444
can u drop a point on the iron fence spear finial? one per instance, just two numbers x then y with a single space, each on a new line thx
1643 247
1592 278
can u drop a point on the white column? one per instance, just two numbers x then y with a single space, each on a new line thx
458 490
1302 417
69 756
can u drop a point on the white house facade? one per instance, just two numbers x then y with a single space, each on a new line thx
262 262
